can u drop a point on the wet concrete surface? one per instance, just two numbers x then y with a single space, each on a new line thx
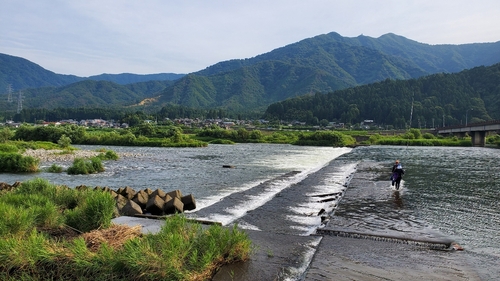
342 258
283 252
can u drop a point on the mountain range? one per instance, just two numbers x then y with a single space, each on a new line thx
324 63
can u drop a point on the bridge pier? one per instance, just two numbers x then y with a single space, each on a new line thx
478 138
477 131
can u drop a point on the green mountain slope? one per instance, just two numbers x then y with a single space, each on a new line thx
130 78
435 99
21 73
249 88
90 94
323 63
336 62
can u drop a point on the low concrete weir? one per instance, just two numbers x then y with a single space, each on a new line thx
431 243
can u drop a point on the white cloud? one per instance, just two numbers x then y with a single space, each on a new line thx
114 36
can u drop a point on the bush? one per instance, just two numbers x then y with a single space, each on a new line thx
219 141
428 136
81 166
325 138
17 163
64 141
5 134
108 155
10 148
55 169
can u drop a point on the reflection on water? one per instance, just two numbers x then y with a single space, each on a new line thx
454 191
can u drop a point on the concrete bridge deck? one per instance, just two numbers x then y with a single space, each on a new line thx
477 131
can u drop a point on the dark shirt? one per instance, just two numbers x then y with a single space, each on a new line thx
397 169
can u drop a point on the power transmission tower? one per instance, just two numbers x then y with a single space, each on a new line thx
19 102
9 93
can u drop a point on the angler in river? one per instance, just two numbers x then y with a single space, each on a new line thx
397 174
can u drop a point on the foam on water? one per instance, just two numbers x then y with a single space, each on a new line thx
310 162
307 216
296 273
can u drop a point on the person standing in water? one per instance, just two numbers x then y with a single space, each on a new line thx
397 174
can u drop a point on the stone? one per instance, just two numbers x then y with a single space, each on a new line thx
131 209
141 198
158 192
175 193
189 202
128 192
173 206
155 205
121 201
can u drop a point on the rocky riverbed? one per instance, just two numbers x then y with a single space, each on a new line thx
59 155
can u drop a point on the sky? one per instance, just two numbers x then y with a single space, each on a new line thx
92 37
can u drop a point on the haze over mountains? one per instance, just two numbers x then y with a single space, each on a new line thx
324 63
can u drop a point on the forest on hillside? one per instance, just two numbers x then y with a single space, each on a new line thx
430 101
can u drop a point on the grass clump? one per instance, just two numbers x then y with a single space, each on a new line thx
108 155
33 216
81 166
17 163
54 168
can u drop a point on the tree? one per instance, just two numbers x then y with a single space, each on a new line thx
5 134
64 141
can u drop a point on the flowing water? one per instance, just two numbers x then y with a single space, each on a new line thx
453 192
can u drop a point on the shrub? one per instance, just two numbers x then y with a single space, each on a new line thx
54 168
17 163
428 136
64 141
81 166
5 134
108 155
325 138
10 148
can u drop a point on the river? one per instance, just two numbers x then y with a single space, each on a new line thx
448 191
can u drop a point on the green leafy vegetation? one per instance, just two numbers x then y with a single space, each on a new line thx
82 166
325 138
436 100
17 163
54 168
108 155
169 137
39 241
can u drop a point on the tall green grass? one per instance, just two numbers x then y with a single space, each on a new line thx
180 251
95 212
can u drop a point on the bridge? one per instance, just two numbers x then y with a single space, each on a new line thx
477 131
